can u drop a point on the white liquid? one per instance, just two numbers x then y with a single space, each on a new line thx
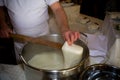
47 60
56 60
72 54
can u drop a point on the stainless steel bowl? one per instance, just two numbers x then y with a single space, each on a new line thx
101 72
34 73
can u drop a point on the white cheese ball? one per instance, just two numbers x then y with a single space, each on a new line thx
72 54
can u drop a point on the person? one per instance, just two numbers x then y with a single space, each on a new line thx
30 18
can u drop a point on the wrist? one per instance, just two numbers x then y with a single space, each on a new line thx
65 30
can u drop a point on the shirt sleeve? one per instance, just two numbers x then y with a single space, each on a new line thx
50 2
1 3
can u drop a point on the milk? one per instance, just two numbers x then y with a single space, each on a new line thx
70 56
47 60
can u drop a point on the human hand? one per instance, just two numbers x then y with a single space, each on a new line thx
5 32
71 36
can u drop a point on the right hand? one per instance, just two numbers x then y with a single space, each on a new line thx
5 32
71 36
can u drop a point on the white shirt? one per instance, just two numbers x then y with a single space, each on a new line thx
28 17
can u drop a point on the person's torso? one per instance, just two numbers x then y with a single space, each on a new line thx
26 15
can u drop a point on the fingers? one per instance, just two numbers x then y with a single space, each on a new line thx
77 35
71 36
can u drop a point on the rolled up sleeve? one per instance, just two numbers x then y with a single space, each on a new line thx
50 2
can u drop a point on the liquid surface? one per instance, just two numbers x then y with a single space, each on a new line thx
52 60
47 60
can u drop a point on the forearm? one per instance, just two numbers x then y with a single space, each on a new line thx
69 35
61 18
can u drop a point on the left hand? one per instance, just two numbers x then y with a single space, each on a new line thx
71 36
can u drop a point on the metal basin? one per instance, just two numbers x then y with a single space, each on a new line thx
33 73
101 72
